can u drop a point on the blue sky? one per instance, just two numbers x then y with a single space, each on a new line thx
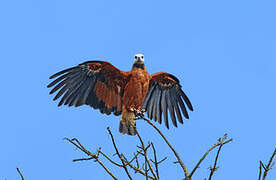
223 52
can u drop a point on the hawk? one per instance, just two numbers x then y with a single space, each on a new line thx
102 86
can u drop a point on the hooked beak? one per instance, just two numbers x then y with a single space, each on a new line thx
139 59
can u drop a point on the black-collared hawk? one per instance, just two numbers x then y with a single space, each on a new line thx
102 86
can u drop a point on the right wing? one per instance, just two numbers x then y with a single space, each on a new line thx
96 83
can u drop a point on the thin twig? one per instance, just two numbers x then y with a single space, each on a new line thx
146 169
118 154
137 169
137 162
146 156
214 168
260 170
155 160
83 159
221 141
135 157
269 165
110 160
162 160
18 170
107 170
184 167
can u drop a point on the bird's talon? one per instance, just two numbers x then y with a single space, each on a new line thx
139 114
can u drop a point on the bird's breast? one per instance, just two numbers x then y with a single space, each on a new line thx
136 90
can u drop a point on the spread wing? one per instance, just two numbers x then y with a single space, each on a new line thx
96 83
165 94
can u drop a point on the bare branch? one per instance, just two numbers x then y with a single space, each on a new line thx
155 160
135 157
184 167
118 154
221 141
83 159
18 170
147 169
137 162
78 145
146 156
162 160
267 167
137 169
214 168
260 170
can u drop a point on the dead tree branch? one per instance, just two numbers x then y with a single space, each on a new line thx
145 170
137 169
214 168
266 167
155 161
118 154
147 162
184 167
94 156
149 168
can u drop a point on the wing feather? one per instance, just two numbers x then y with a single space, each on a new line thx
87 91
72 69
175 106
156 111
164 108
76 94
159 111
149 94
72 85
186 99
171 109
86 84
151 104
183 108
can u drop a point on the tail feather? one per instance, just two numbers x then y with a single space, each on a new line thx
126 128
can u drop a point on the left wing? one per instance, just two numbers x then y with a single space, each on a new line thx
165 94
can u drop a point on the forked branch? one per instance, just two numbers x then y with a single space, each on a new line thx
146 169
94 156
184 167
220 143
267 167
118 154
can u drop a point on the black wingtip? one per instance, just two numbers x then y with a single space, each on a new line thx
186 99
52 91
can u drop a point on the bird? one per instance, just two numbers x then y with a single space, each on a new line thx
102 86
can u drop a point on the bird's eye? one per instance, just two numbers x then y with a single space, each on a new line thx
135 57
142 57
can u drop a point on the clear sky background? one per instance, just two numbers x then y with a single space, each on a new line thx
223 52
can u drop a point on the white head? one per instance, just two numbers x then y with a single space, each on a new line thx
139 59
